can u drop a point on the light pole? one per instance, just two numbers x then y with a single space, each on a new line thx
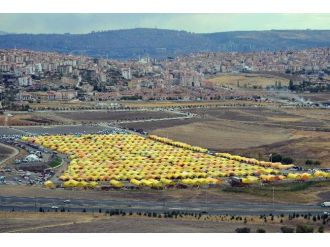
273 197
35 203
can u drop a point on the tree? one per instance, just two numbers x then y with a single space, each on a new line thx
304 229
286 229
260 230
242 230
321 229
291 86
287 160
308 162
276 158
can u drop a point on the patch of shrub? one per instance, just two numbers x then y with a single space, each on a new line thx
276 158
312 162
243 230
287 160
304 229
286 229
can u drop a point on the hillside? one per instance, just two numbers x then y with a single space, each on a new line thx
131 43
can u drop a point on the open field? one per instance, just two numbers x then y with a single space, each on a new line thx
306 145
100 222
223 135
149 126
248 80
5 152
94 116
189 104
70 117
299 133
322 97
64 105
26 119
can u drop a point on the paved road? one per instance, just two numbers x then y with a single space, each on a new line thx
32 204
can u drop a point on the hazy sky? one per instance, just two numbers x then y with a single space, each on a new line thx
199 23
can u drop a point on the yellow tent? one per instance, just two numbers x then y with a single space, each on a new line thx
116 183
49 184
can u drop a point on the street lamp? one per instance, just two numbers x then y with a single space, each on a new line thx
273 197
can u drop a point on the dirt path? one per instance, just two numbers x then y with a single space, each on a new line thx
5 123
28 229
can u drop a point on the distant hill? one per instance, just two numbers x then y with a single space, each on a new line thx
270 40
3 33
131 43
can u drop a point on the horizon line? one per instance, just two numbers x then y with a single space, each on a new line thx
155 28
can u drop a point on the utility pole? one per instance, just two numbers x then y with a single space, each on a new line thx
273 197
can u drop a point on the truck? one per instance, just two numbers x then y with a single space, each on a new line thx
325 204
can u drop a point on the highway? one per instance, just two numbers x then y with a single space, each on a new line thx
232 208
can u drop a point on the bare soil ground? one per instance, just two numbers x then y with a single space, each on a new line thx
5 152
149 126
177 195
101 223
316 97
291 193
116 115
26 119
188 104
248 80
222 135
255 131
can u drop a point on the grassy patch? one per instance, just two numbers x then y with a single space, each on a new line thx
56 162
267 190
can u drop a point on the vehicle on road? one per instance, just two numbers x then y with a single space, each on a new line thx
325 204
67 201
54 207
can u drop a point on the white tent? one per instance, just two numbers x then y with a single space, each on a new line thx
31 158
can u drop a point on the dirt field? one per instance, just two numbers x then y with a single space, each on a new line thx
254 131
316 97
27 119
115 115
223 135
5 152
291 193
149 126
248 80
102 223
64 105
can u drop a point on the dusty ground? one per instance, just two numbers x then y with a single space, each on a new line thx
248 80
5 152
27 119
99 222
220 135
178 195
254 131
115 115
291 193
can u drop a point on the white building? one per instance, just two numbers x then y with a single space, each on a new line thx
126 73
25 81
